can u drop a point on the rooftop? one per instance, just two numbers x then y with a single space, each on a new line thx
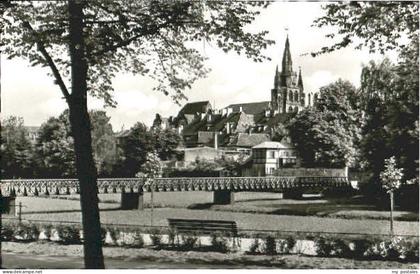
276 145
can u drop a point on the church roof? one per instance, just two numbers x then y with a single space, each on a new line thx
194 107
250 108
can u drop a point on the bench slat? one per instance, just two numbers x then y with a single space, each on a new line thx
203 226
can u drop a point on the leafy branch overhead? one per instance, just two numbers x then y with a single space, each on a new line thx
158 39
377 25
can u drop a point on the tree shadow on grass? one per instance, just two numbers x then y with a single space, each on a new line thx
66 211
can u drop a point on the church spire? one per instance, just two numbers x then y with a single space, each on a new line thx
300 81
287 67
276 77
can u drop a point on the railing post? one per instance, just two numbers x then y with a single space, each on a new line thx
132 200
223 197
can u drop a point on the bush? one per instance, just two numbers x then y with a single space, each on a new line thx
323 247
291 242
285 246
103 235
47 231
269 246
114 233
138 241
156 238
172 235
255 247
360 247
7 231
412 251
68 234
219 243
395 249
341 249
26 232
189 242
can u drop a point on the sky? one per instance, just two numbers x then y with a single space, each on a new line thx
29 93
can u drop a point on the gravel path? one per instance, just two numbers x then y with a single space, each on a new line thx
50 255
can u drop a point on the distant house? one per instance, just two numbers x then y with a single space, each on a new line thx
269 156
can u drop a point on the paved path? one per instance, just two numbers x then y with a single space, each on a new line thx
13 261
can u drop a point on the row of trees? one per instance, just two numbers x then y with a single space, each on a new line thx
51 155
360 128
363 127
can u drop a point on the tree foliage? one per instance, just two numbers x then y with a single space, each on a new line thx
378 25
327 134
54 149
152 168
389 94
134 148
153 38
391 176
141 141
104 143
16 149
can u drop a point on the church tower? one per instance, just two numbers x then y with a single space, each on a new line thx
288 94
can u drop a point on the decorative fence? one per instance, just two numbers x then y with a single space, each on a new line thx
36 187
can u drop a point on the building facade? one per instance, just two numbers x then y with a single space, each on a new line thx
267 157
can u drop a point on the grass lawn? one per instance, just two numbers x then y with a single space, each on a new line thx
254 202
47 209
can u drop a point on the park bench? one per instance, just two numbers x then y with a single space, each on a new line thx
206 227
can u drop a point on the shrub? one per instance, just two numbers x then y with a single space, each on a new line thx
68 234
26 232
360 247
47 231
412 251
396 248
114 233
341 249
285 246
7 231
172 235
156 238
269 246
323 247
189 242
103 235
219 243
255 247
138 241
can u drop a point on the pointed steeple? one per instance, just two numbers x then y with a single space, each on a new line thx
287 67
300 81
276 77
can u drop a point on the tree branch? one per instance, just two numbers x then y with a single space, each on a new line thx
49 60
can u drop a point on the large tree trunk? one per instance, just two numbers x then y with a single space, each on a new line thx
81 131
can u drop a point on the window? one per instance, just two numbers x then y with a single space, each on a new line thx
290 96
271 154
296 96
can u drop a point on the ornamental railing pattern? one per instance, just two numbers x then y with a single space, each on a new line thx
35 187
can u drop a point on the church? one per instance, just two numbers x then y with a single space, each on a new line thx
239 127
